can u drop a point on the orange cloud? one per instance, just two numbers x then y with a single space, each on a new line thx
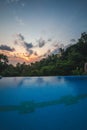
14 58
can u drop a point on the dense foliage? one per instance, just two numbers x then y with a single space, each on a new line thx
70 62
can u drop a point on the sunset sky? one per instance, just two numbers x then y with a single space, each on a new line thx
33 29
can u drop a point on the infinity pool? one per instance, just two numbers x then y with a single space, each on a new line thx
43 103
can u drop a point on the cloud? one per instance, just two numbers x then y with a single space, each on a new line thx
58 45
20 36
72 40
15 42
41 42
12 1
28 45
49 40
56 51
22 4
20 40
35 53
6 48
30 52
15 2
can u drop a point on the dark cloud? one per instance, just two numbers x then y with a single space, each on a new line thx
6 48
57 48
62 46
16 42
20 40
41 42
20 37
54 51
58 45
49 40
28 45
30 52
72 40
35 53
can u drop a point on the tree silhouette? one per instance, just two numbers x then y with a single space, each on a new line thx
3 59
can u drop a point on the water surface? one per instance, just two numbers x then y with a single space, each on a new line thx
43 103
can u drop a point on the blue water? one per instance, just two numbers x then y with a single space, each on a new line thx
68 113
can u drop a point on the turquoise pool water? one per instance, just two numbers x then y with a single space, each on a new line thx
43 103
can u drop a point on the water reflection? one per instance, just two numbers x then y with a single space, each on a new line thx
30 106
41 81
30 81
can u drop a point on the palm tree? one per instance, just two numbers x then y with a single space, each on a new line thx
3 59
61 51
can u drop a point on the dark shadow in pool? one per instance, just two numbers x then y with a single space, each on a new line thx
30 106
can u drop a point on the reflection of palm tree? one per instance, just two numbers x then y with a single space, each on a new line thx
37 81
30 106
22 81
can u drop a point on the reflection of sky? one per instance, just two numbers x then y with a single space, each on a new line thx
33 82
34 88
10 82
48 85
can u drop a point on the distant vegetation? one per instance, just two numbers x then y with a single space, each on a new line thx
70 62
